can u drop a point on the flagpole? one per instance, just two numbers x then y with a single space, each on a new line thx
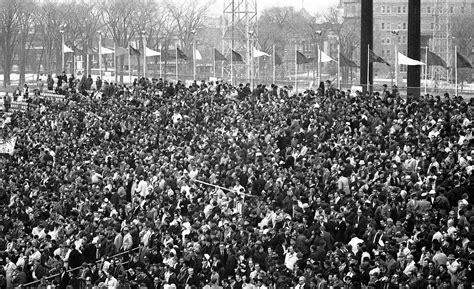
100 55
426 68
115 61
194 59
339 66
73 64
274 66
161 73
296 68
319 65
176 54
129 63
368 67
456 68
214 61
87 64
231 66
144 56
396 63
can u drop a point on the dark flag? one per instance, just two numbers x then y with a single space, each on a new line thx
133 51
462 61
180 54
301 59
236 57
375 58
219 56
347 62
433 59
278 59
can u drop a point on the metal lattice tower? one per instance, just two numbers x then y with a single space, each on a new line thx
441 41
239 28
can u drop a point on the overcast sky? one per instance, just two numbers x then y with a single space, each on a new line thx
312 6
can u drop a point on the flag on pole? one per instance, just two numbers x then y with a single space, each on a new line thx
375 58
433 59
462 61
180 54
219 56
150 52
133 51
278 60
325 57
104 50
119 51
258 53
197 54
346 61
402 59
236 57
67 49
301 59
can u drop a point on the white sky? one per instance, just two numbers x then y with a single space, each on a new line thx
312 6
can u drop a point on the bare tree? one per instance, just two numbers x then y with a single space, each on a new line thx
9 26
26 34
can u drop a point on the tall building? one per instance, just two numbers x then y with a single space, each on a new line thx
391 28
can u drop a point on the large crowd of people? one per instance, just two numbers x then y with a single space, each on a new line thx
162 185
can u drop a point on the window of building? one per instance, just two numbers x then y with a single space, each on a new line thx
451 9
388 41
399 9
388 9
399 39
383 9
404 26
383 26
383 40
404 9
432 25
462 9
428 10
387 52
404 39
403 68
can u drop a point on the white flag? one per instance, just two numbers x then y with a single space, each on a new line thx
67 49
258 53
197 54
402 59
325 57
149 52
104 50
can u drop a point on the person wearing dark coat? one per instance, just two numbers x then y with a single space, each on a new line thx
75 258
63 279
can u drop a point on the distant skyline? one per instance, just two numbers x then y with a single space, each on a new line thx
312 6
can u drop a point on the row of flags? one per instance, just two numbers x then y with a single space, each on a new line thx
432 59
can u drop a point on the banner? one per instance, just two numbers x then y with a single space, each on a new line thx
462 61
402 59
197 54
119 51
8 146
375 58
301 58
219 56
433 59
347 62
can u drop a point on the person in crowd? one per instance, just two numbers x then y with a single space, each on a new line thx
165 186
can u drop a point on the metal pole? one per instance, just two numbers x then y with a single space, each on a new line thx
62 50
296 68
214 60
87 64
274 65
161 73
144 56
368 68
396 62
176 55
339 66
115 61
319 65
231 64
129 62
426 68
100 55
456 68
194 57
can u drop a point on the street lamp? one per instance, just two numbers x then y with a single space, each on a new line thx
62 31
250 70
318 34
396 32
